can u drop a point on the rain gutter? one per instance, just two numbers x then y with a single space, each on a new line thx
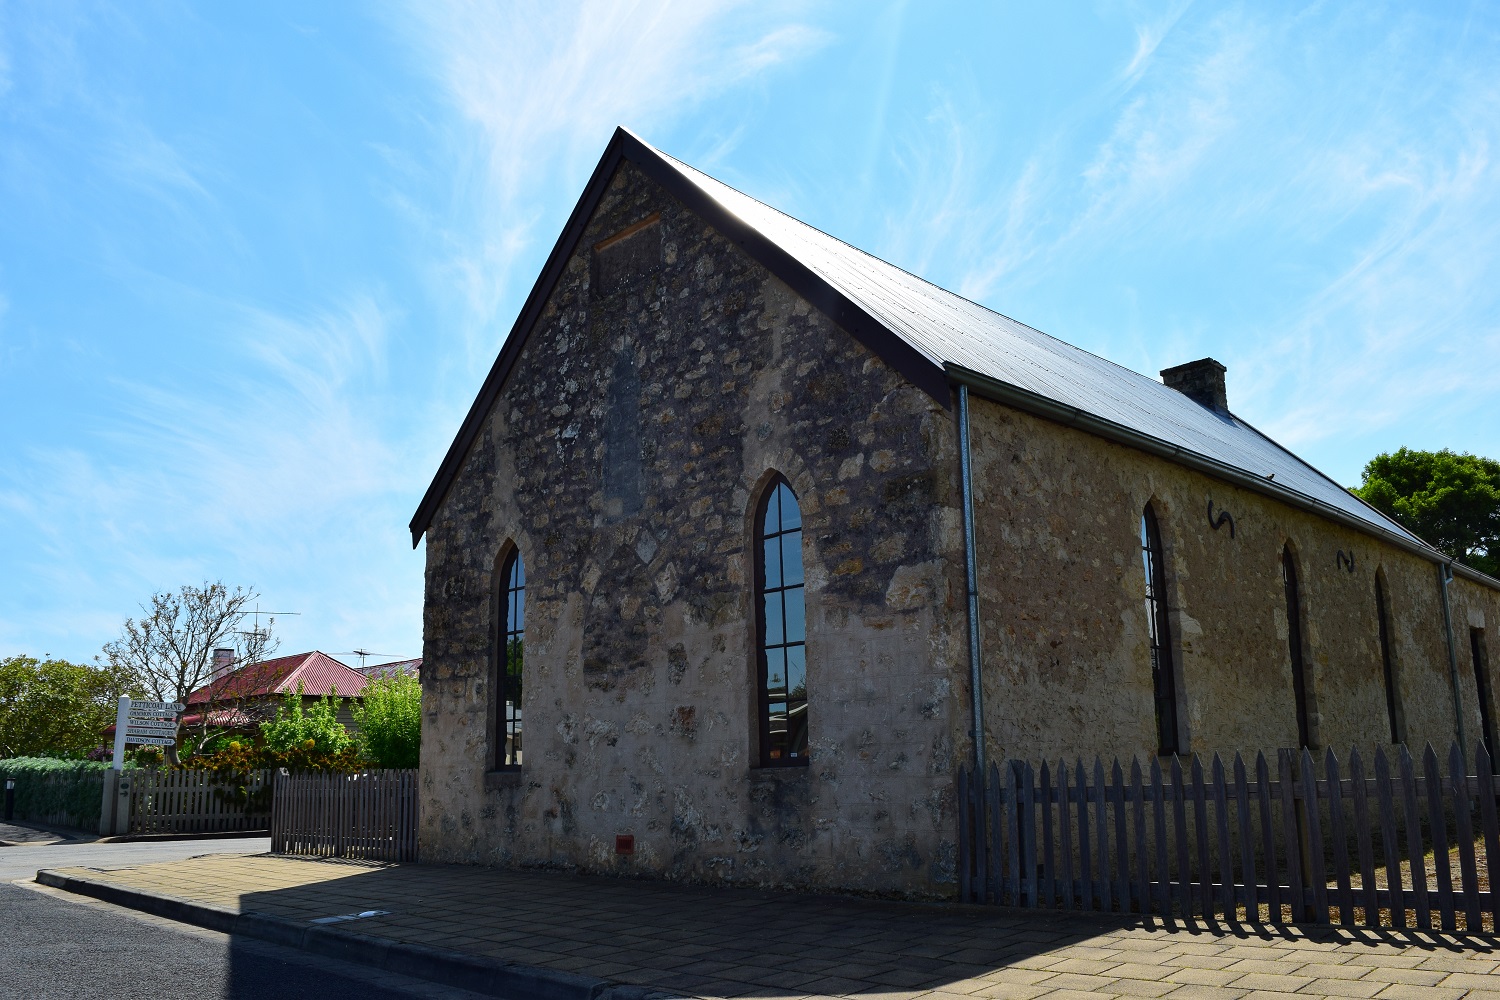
971 571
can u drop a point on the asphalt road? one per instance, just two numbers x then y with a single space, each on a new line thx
55 946
58 946
23 862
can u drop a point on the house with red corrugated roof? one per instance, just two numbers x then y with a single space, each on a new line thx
240 698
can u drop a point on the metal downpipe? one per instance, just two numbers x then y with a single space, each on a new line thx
1445 577
972 573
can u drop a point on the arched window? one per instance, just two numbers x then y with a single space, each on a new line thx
1294 645
1480 657
1387 664
782 631
510 634
1163 679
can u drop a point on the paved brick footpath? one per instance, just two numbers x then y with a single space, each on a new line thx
715 942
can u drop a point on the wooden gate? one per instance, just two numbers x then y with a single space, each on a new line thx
187 801
371 815
1239 846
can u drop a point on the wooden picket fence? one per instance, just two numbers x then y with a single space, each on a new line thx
371 815
1238 844
189 801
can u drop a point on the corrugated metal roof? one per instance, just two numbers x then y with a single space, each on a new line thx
948 329
318 673
411 668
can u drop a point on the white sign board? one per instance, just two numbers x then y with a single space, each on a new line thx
151 725
156 707
152 741
145 723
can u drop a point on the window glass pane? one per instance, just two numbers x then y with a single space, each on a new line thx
791 517
776 673
796 625
796 673
784 698
772 563
791 557
776 730
508 687
773 620
796 730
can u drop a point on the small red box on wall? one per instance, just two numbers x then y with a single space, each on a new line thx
624 843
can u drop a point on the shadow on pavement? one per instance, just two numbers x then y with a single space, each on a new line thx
712 941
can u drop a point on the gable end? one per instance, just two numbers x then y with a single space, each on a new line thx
630 250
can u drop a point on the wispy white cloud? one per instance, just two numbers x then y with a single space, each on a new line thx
142 158
4 59
1149 33
1380 189
991 220
542 86
287 464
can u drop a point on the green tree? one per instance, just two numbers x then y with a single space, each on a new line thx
1449 499
390 721
298 726
53 708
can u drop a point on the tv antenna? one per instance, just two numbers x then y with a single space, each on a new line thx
362 653
255 629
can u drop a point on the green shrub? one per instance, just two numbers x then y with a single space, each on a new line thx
243 757
147 756
60 792
390 721
295 724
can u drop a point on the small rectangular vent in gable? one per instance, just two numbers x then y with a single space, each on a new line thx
628 256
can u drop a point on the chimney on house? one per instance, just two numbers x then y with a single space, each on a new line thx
1201 381
223 664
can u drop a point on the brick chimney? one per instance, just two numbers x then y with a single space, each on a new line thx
223 664
1201 381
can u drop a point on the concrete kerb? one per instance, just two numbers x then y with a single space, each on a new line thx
476 973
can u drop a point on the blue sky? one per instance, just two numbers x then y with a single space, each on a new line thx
256 259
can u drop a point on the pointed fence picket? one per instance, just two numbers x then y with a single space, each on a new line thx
370 815
1325 841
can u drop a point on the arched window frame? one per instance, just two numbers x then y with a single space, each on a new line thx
1302 690
1393 708
1479 658
1164 679
779 743
507 658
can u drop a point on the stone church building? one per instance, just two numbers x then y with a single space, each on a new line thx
742 512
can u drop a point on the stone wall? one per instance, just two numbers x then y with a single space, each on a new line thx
1067 663
669 377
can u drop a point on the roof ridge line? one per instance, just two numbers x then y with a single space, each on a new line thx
911 274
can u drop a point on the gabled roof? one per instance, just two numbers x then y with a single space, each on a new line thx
937 340
318 673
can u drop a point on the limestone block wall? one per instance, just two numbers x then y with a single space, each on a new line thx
668 378
1065 636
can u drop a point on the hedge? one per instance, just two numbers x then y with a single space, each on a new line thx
57 792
